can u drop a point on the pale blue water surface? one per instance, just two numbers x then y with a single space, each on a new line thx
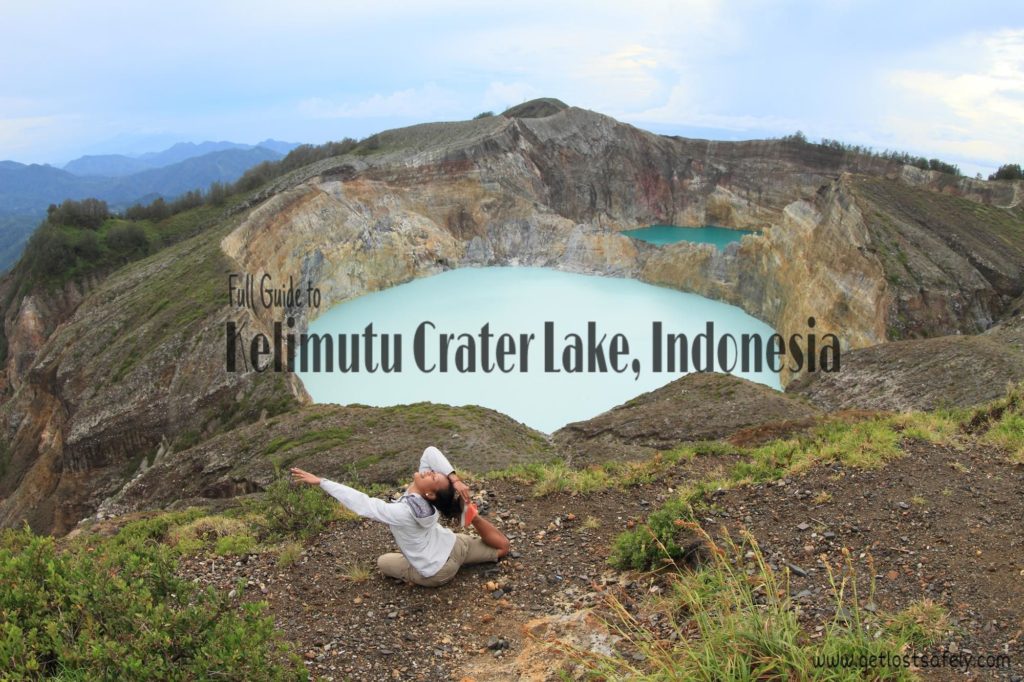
670 234
519 300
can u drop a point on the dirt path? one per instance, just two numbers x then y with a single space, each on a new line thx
939 523
379 629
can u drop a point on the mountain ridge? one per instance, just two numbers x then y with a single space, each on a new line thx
117 165
81 409
27 190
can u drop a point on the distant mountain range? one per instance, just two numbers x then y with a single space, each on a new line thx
119 165
27 190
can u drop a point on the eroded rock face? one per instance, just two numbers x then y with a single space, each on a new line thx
857 252
696 407
924 374
139 360
31 320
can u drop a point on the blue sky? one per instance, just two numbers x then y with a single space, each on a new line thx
939 79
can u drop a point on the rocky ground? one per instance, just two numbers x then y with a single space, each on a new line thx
923 374
715 405
942 523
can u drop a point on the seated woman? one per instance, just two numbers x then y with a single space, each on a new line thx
430 553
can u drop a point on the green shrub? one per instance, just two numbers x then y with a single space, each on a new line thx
665 538
115 609
128 241
87 213
1008 171
289 509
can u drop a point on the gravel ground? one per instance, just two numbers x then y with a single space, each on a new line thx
940 523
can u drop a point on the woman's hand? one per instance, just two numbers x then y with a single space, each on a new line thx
462 490
304 476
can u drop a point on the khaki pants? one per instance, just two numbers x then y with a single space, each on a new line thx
466 550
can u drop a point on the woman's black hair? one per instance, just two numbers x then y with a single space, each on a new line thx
447 502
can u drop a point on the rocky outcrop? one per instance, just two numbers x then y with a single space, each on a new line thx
356 444
696 407
924 374
814 263
141 359
30 319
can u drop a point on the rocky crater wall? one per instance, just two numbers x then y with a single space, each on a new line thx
556 191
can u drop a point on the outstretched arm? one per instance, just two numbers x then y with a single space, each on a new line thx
358 502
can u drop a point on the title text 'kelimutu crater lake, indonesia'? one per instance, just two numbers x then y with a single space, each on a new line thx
506 305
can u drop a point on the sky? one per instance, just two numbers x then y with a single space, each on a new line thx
939 79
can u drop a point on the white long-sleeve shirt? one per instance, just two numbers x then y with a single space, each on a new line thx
424 542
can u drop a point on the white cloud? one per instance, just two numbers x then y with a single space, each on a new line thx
613 58
429 100
975 113
684 107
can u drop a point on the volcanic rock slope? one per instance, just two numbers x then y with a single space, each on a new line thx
105 376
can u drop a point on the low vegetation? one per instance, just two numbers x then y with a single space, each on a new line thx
837 147
865 442
113 608
1009 171
1003 423
79 239
732 619
287 510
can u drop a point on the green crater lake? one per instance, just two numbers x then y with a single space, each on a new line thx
537 387
670 234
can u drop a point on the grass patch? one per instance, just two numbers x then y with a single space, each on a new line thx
323 439
235 544
205 532
1002 422
940 427
867 443
358 572
288 553
1008 433
733 620
556 476
920 624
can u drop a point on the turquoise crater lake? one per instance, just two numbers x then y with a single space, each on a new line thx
516 301
671 234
